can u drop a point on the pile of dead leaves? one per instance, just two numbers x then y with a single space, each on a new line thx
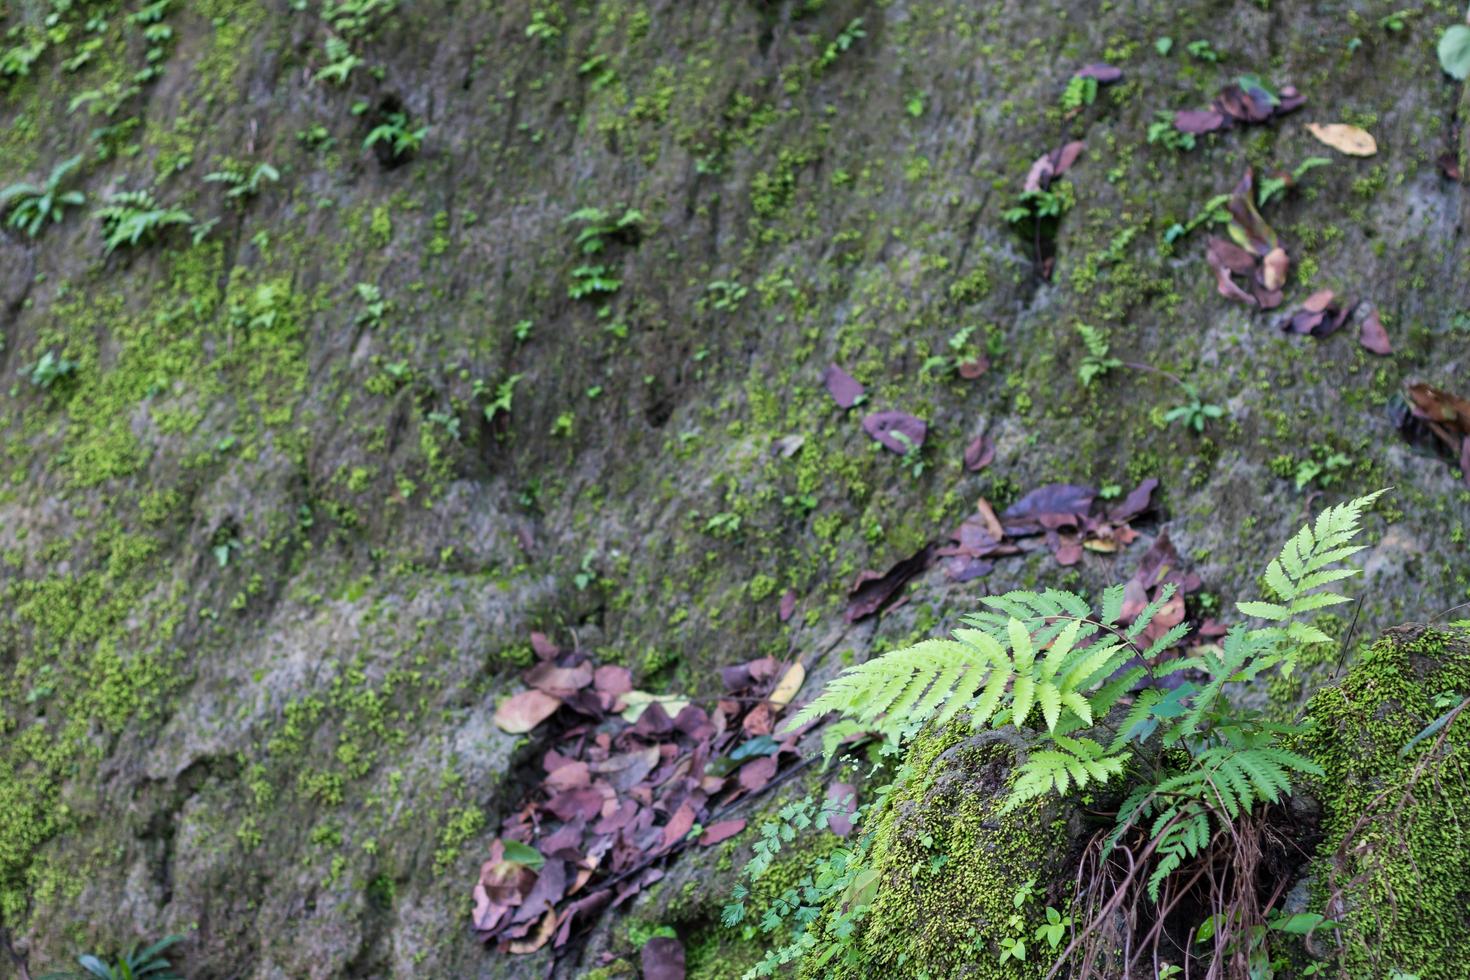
1063 518
1246 101
630 780
1439 420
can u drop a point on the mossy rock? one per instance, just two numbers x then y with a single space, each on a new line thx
1408 857
952 865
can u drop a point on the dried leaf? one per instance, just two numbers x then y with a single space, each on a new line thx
639 701
559 682
898 432
873 590
1197 122
843 387
1373 337
790 683
539 938
522 712
1247 227
979 454
722 831
1347 139
788 606
1274 268
543 647
662 959
1104 73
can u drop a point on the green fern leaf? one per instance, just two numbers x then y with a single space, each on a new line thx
1264 610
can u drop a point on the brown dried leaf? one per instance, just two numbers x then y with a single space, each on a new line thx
523 712
1373 337
1274 268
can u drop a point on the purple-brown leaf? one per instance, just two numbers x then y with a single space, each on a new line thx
898 432
843 387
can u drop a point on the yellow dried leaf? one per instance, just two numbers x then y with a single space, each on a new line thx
791 682
1347 139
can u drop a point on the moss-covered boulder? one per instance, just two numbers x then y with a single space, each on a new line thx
1394 864
957 879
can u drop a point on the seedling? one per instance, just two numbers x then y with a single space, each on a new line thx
30 205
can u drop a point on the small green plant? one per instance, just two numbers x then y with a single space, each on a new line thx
242 183
1161 131
504 392
50 368
1454 51
135 964
394 134
599 227
1080 91
1213 212
1195 412
31 205
1202 51
1050 203
725 296
589 280
843 42
374 306
132 217
1271 186
544 26
341 62
1397 21
1096 361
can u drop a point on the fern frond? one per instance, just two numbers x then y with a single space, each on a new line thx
1146 616
1300 566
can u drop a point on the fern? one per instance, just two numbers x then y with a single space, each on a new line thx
130 217
1050 665
1302 567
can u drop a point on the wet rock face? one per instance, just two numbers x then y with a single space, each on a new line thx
273 546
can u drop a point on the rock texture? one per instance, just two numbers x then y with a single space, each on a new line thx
267 562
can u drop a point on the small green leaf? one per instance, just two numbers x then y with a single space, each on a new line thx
1454 51
523 854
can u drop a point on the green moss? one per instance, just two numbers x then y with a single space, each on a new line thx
950 867
1415 861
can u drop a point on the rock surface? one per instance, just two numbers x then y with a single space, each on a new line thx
269 562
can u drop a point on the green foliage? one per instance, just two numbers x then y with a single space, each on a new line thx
135 964
839 877
1052 667
1162 131
1202 50
394 133
1454 52
598 227
132 217
1096 362
340 62
1195 412
1271 186
242 183
51 368
30 205
589 280
843 42
1079 92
